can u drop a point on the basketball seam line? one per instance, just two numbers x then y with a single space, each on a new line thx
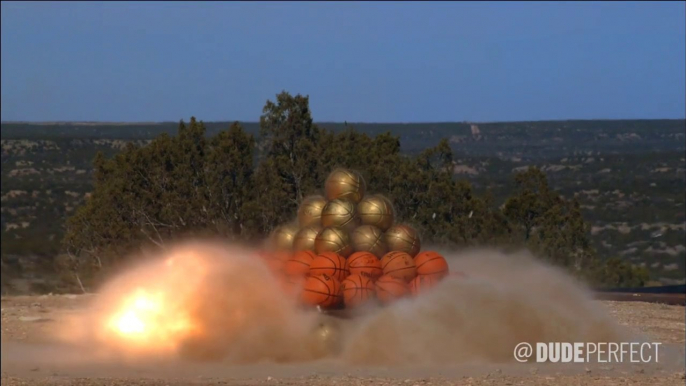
319 292
328 295
432 259
400 269
335 269
298 261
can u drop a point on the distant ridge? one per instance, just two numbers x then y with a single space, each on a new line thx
528 139
79 123
348 123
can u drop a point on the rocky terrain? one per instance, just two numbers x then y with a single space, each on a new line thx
29 358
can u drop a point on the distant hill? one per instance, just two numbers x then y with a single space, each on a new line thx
628 175
508 139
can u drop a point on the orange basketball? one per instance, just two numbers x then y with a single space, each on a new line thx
291 285
364 263
274 260
399 264
330 263
264 254
299 263
283 255
356 290
389 288
321 290
423 283
431 263
274 265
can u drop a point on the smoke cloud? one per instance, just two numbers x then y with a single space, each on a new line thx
203 301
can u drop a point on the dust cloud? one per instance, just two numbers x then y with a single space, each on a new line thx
215 302
199 301
505 300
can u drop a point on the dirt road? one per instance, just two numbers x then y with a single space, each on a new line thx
31 357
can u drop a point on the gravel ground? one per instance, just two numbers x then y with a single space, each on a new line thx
27 321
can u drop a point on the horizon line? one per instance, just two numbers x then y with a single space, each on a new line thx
339 122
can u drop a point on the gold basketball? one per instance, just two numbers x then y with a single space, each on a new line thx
403 238
333 239
327 337
304 239
343 183
376 210
282 237
369 238
340 213
310 211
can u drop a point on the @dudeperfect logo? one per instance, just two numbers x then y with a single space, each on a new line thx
603 352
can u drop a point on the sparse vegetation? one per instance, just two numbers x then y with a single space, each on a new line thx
194 184
628 188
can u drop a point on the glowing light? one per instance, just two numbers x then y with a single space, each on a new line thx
149 320
130 324
158 312
143 303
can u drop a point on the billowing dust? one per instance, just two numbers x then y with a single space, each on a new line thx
505 300
216 302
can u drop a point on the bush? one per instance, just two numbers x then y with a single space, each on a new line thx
240 187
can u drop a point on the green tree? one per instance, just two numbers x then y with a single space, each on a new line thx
189 184
554 229
173 187
615 273
229 172
270 194
532 199
289 139
422 188
289 160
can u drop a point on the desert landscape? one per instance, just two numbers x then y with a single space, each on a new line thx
627 175
343 193
28 358
477 320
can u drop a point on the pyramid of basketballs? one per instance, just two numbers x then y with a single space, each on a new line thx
346 249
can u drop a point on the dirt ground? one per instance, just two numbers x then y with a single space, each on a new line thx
30 357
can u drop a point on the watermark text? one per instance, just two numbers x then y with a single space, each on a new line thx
579 352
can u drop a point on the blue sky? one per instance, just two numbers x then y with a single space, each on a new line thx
358 61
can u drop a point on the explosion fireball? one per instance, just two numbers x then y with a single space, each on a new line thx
205 301
213 301
147 319
200 301
155 313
